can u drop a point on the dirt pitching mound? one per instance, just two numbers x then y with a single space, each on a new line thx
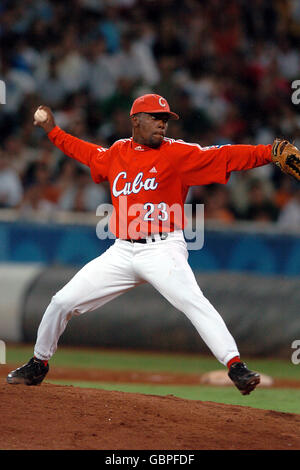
65 417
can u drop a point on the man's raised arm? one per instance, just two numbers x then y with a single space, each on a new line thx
72 146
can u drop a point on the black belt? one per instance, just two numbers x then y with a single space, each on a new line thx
162 236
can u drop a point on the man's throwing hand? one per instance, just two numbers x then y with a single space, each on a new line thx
287 157
44 118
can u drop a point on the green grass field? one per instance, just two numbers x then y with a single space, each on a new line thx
284 400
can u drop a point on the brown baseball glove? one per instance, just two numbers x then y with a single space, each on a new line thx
287 157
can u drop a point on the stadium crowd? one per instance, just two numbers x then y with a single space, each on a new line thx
227 68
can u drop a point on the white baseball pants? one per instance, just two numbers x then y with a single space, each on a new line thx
123 266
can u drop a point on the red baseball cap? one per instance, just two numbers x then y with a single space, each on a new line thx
152 103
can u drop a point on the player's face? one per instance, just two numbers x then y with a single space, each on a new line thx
150 129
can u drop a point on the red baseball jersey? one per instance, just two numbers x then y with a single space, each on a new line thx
149 186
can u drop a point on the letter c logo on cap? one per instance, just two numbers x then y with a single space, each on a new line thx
162 102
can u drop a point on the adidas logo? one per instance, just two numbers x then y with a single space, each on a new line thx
153 170
139 147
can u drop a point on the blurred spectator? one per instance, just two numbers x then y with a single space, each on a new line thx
11 190
234 126
195 123
115 128
18 154
34 205
110 27
121 100
167 41
284 193
71 65
18 84
41 178
239 184
43 163
52 88
64 176
102 78
166 85
260 207
217 205
288 59
135 61
290 214
83 195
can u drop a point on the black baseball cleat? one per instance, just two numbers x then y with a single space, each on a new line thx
244 379
32 373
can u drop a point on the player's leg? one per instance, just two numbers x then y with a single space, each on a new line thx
164 265
97 283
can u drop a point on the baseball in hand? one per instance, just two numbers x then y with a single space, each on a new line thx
40 115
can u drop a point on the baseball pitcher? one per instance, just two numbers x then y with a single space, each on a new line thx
149 177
